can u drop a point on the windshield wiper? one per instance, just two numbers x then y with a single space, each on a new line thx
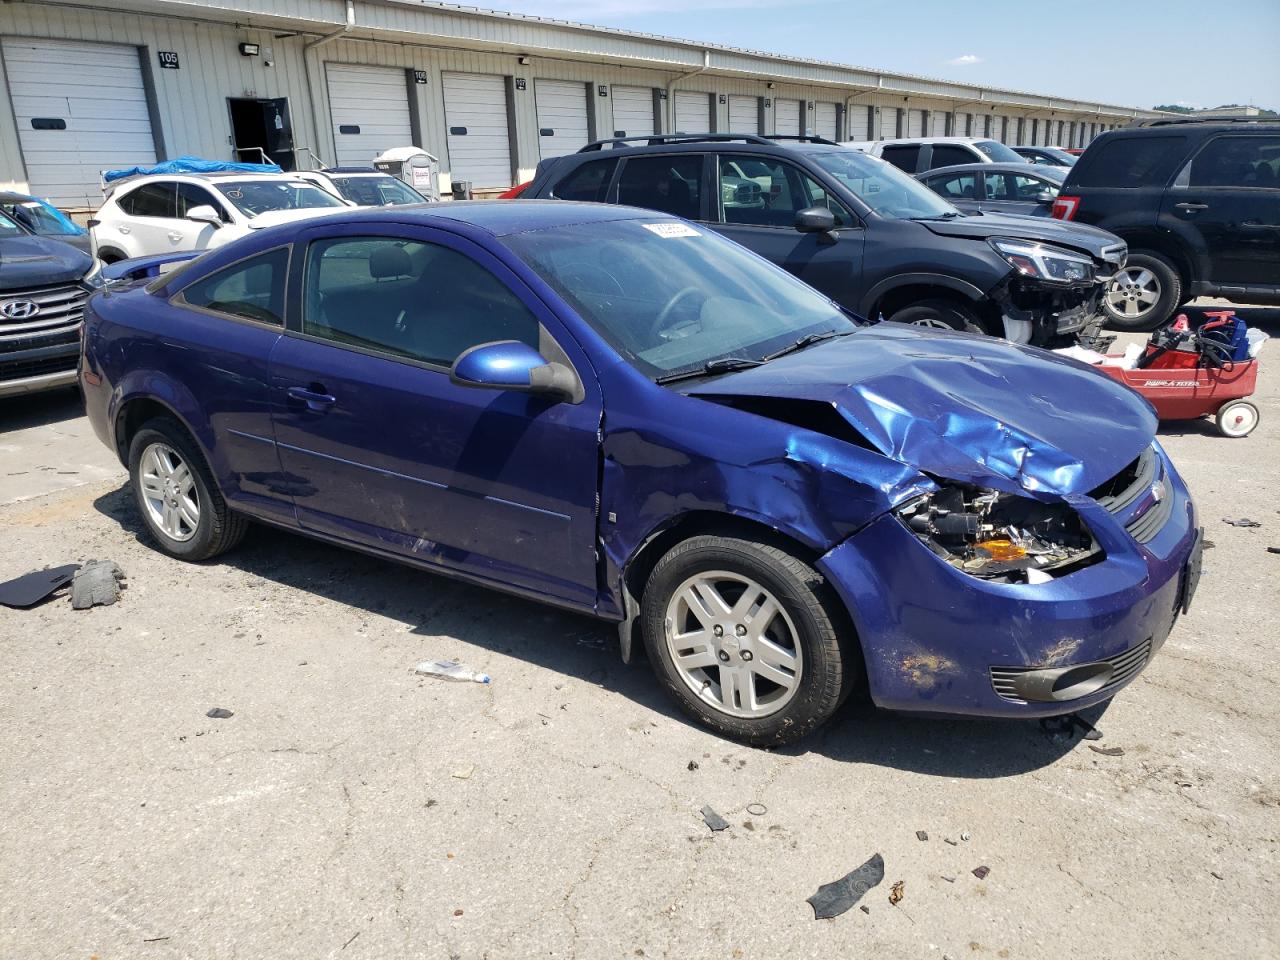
949 215
806 341
719 365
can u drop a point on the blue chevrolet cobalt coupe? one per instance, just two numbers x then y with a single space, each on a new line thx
626 415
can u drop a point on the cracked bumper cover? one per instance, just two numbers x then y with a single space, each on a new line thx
1050 309
938 640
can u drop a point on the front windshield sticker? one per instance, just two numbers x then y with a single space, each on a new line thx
669 230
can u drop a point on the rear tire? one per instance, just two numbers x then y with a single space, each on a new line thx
777 669
938 315
1144 295
176 495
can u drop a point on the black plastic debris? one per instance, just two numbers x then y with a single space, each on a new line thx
30 588
922 835
1090 731
1242 522
865 909
1273 549
693 764
219 713
981 872
1108 751
96 584
714 820
1208 544
950 841
833 899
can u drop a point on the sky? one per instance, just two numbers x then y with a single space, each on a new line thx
1135 53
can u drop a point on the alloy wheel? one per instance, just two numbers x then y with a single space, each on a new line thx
1133 293
933 323
733 644
169 492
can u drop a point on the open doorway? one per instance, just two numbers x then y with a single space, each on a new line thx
261 131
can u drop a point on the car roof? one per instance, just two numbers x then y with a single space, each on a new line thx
209 177
1028 168
506 217
7 195
933 140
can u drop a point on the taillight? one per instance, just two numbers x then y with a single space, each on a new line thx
1065 208
515 191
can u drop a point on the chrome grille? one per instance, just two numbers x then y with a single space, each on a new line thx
61 305
1124 667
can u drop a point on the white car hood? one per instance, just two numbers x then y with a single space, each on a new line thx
273 218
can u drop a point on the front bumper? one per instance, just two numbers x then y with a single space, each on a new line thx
1044 312
42 364
937 640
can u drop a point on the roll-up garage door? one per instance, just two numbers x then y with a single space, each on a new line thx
858 122
962 125
475 111
824 120
915 123
370 108
888 123
744 115
562 117
786 117
937 123
81 108
633 111
693 112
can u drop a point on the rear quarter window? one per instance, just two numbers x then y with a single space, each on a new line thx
1130 162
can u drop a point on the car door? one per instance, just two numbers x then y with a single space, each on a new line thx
1019 193
192 234
388 453
148 211
756 200
1229 193
963 189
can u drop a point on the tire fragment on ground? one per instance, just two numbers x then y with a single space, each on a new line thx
96 584
833 899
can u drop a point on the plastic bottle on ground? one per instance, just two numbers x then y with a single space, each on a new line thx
449 670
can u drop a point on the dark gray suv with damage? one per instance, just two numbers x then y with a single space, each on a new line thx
858 229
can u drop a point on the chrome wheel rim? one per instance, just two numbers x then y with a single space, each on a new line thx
1133 293
733 645
933 323
169 492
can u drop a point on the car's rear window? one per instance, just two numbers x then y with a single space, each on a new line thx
1130 162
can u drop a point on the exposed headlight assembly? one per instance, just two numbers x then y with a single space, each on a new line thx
997 536
1054 264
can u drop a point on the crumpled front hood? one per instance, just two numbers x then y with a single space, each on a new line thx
30 261
969 408
1077 236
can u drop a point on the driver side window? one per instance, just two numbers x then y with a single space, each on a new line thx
252 289
764 192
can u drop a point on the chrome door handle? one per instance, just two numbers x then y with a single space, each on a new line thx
1191 207
175 237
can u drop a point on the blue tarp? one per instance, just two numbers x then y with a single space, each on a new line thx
191 165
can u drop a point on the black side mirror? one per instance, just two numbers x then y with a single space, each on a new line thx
818 220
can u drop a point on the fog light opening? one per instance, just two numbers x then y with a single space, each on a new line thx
1080 681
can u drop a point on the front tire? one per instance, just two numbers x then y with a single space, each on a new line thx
180 503
1144 294
938 315
743 636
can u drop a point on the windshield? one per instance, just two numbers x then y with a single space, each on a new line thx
998 152
377 191
253 197
9 229
41 218
670 297
883 187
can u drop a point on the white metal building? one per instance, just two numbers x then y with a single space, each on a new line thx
90 85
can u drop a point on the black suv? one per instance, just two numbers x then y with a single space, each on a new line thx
863 232
1198 202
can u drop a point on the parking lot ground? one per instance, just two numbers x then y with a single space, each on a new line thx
351 809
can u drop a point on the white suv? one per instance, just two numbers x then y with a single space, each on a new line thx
918 154
150 215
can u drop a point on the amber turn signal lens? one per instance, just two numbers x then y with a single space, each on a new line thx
1001 549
